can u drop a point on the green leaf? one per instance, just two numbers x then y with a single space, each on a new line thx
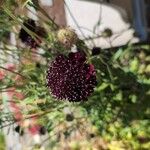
103 86
117 54
134 65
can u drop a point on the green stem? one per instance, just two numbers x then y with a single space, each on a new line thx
12 71
55 26
108 68
32 34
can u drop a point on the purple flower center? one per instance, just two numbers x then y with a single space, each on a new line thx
71 78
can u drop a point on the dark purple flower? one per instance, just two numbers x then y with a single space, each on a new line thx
71 78
96 51
19 130
42 130
27 38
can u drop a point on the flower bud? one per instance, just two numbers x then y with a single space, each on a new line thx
107 33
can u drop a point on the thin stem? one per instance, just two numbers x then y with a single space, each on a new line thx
93 37
75 21
27 117
46 15
34 36
109 70
12 71
18 52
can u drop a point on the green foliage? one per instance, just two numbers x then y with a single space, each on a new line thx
118 110
2 142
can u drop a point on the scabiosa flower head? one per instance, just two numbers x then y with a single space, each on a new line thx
27 38
71 78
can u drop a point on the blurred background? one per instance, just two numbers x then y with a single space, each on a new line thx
129 20
120 120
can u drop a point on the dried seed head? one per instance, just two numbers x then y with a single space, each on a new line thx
67 37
